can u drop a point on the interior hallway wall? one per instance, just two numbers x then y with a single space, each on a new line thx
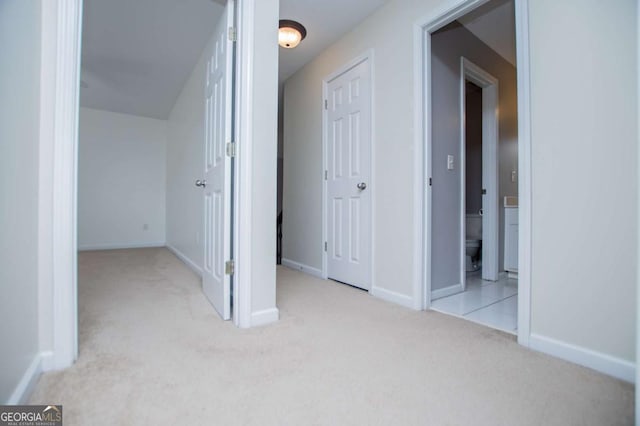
584 168
121 180
185 164
583 165
389 32
263 95
20 23
448 45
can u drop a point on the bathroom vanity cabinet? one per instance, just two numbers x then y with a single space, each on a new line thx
511 236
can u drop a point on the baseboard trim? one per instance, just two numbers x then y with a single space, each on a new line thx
393 297
607 364
264 317
447 291
47 361
302 268
89 247
27 383
183 257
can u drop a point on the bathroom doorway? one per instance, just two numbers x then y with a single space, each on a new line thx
479 171
473 162
473 189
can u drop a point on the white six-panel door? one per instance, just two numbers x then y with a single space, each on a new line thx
217 192
348 176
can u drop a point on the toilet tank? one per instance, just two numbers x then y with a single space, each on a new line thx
474 227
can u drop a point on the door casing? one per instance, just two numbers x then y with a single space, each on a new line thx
64 139
490 219
423 28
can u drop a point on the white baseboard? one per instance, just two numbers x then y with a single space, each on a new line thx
25 386
447 291
393 297
115 246
47 361
183 257
302 268
607 364
264 317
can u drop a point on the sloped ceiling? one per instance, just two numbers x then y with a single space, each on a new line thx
326 22
137 54
494 24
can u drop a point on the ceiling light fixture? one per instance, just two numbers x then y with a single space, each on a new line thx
291 33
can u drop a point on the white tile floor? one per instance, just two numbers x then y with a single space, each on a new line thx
494 304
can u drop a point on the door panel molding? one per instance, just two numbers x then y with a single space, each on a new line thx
345 166
216 282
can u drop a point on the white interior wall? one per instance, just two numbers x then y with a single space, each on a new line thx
262 99
389 32
121 180
448 45
584 166
48 72
638 206
185 164
19 133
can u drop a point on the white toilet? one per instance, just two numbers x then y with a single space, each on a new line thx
473 242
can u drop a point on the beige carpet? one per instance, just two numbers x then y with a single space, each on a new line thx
152 351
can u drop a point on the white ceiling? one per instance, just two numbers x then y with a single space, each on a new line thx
326 22
494 24
137 54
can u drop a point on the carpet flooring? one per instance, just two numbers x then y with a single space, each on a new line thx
153 351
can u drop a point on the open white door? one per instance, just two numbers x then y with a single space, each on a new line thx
216 280
489 84
348 175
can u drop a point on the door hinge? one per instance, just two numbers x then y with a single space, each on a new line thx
326 174
233 34
430 181
231 149
229 267
325 246
484 191
326 104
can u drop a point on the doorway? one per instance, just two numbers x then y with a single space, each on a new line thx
147 138
479 85
445 167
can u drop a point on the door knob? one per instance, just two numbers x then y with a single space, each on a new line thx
202 183
361 186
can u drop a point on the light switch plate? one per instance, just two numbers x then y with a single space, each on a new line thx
449 162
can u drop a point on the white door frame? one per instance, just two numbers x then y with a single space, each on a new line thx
422 160
64 324
63 139
365 57
490 89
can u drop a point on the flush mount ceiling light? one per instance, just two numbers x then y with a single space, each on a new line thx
291 33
